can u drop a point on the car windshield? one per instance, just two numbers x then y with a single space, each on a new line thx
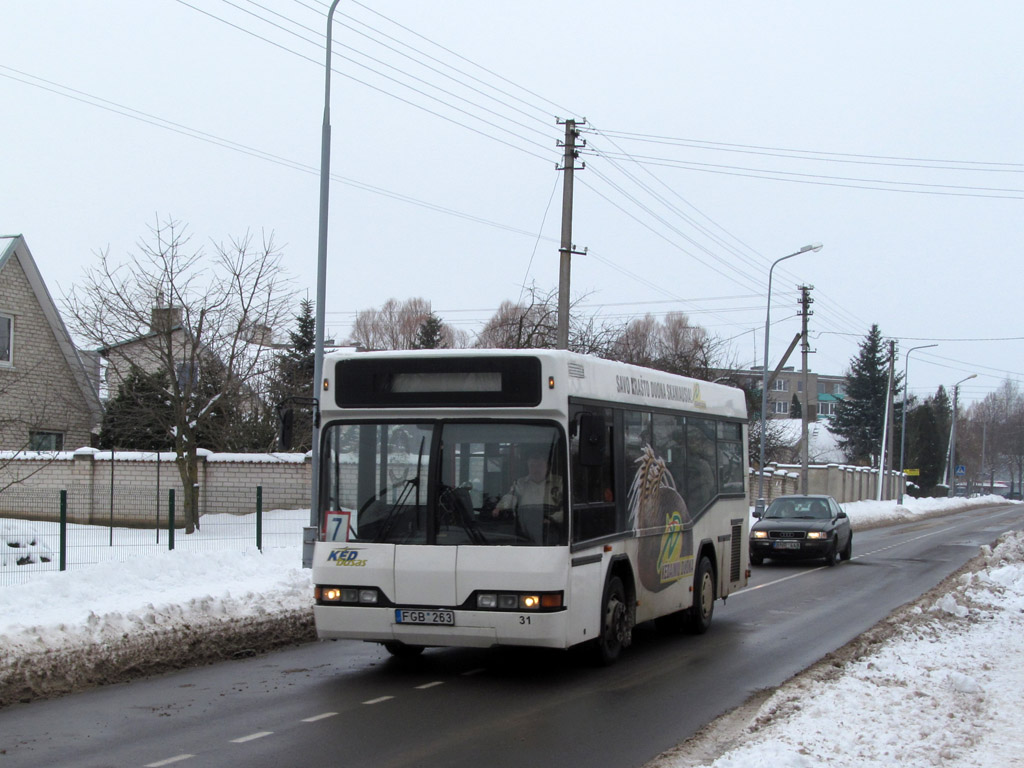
798 509
455 483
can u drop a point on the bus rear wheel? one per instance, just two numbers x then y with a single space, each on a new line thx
699 618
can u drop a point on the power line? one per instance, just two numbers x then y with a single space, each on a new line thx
821 155
881 185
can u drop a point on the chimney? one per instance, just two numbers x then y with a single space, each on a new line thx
163 319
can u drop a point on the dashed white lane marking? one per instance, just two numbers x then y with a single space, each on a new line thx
476 671
323 716
168 761
429 685
378 700
251 737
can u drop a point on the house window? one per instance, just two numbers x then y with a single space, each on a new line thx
827 409
780 385
780 407
46 441
6 338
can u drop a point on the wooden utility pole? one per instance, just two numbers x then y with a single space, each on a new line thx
566 249
805 411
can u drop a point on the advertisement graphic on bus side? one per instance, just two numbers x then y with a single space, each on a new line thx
655 503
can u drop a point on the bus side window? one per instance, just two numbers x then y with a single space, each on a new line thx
593 484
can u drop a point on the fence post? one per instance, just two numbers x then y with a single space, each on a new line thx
259 517
170 519
63 530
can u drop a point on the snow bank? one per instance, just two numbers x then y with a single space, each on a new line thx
119 620
944 689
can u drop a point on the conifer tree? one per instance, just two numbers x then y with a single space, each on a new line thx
928 440
860 416
430 334
294 377
139 417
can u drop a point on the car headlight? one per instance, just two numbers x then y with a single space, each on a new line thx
816 535
759 534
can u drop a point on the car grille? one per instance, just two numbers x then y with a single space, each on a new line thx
787 534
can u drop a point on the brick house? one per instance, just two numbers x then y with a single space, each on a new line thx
47 400
826 391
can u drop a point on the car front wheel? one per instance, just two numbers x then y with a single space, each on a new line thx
847 552
832 558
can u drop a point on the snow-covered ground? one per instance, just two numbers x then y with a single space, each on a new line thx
945 687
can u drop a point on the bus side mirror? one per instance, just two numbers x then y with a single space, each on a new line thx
592 439
286 437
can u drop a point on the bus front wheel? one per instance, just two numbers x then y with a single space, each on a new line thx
616 631
403 651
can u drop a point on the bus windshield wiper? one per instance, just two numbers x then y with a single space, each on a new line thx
449 501
401 501
400 504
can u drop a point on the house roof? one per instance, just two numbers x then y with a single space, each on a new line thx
15 247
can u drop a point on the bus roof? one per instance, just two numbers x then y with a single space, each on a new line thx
589 377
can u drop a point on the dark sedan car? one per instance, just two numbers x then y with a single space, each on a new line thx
802 527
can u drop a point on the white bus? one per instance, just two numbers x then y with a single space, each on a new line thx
523 497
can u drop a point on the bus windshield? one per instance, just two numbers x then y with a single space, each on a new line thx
445 483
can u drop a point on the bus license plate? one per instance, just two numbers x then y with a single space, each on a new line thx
404 616
787 545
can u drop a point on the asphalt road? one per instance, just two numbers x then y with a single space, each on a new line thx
349 704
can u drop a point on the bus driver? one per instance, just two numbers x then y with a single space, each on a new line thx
538 487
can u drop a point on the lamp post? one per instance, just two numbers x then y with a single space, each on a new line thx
310 533
764 374
952 438
903 418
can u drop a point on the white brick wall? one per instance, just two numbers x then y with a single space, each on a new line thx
227 485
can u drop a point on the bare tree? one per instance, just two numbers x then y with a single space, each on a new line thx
673 345
532 323
396 325
995 427
202 320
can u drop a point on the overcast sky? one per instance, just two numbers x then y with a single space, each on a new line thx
720 136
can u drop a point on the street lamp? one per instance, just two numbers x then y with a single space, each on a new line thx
903 420
310 533
764 374
952 438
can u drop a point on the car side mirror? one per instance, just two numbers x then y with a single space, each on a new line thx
758 514
841 516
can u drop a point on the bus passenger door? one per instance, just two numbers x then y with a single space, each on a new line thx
586 584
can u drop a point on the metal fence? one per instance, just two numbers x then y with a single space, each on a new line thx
134 521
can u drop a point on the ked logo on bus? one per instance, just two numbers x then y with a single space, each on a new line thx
346 556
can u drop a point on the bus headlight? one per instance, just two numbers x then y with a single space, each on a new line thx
348 595
517 601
